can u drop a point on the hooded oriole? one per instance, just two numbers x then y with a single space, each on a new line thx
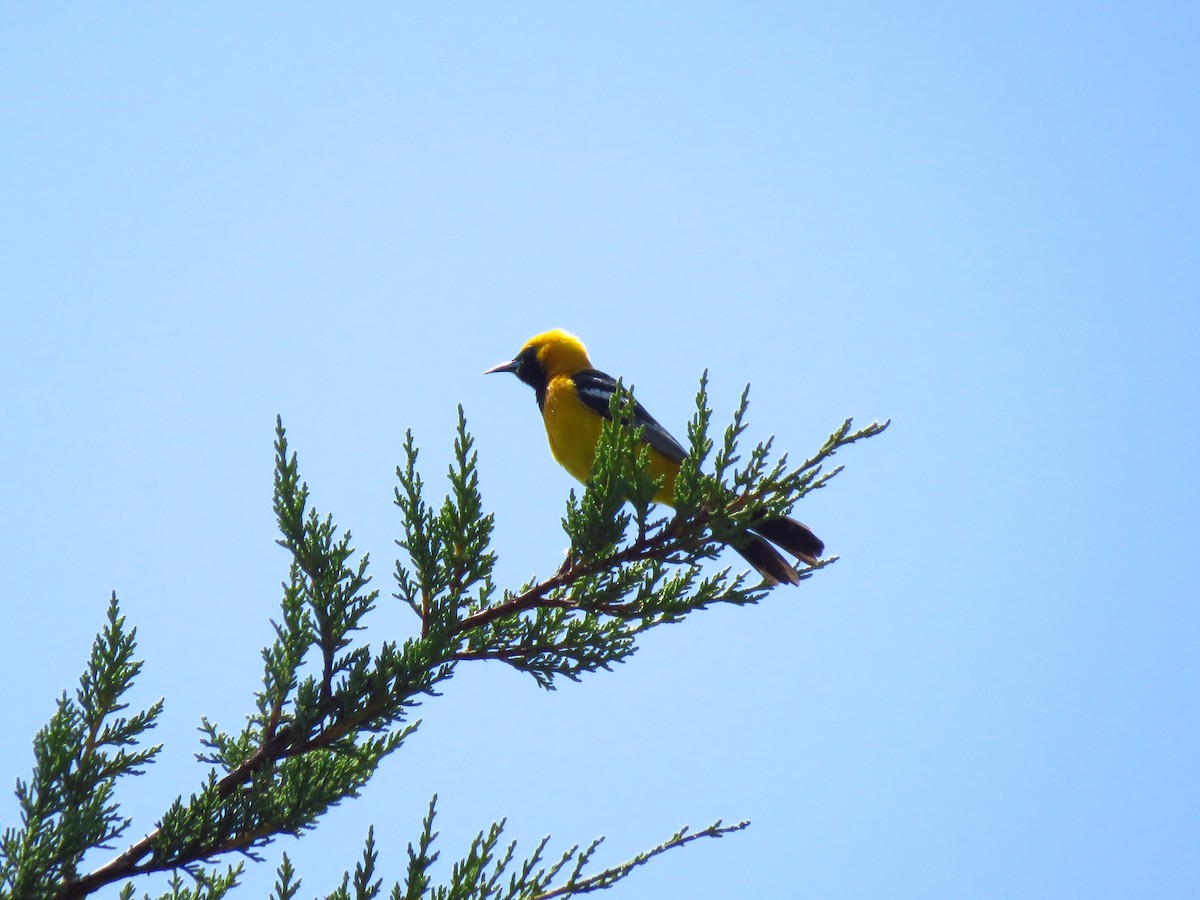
574 399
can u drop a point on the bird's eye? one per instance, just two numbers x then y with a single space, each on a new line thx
525 362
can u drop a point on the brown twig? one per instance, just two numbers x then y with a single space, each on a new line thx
118 867
535 597
609 877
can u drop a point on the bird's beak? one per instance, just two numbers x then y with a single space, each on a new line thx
510 366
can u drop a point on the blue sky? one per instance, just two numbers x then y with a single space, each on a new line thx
979 221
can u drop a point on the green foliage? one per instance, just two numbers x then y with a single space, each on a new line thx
331 708
68 805
448 551
287 885
489 869
365 885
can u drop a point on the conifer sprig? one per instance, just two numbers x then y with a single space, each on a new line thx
68 806
490 869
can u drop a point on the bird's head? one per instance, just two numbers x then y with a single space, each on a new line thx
545 356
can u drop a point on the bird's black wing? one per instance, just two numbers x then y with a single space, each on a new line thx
595 390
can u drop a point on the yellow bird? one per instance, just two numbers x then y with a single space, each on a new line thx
574 400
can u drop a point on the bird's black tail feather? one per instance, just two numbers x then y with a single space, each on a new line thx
766 559
791 537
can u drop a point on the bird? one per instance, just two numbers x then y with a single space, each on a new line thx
573 398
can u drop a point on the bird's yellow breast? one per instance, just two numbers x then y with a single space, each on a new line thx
573 430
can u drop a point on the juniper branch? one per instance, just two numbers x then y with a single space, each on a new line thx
331 709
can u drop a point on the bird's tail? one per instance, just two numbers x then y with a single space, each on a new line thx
791 536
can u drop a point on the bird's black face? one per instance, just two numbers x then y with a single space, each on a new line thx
525 366
529 370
